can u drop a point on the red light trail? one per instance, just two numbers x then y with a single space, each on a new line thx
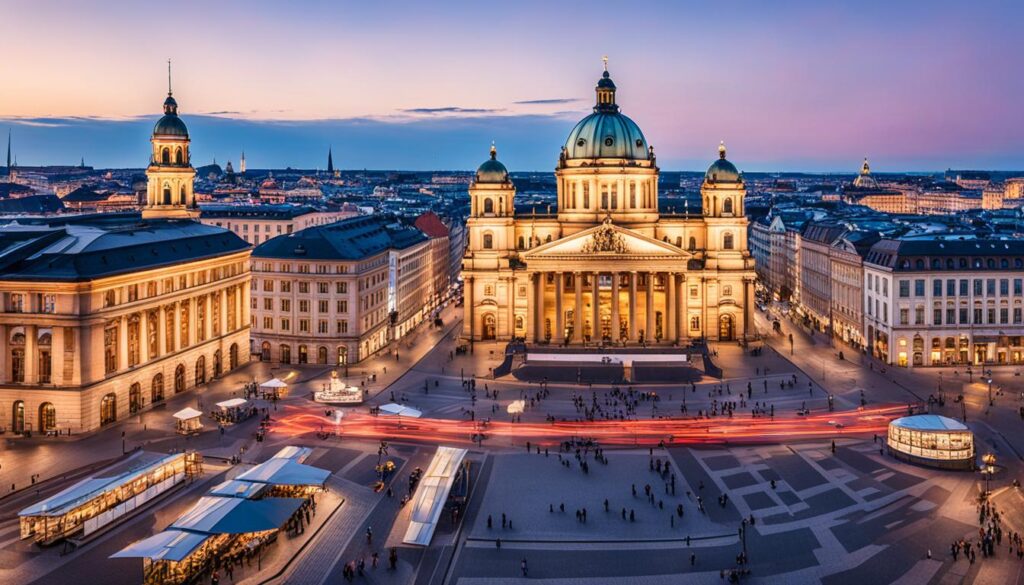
646 432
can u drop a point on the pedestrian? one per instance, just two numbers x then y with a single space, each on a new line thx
497 543
522 565
393 558
693 556
489 522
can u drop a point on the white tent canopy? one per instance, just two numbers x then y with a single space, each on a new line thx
187 413
274 383
233 403
399 410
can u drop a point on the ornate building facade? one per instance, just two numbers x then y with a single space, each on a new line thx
105 315
607 266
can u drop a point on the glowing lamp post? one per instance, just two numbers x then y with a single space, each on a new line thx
989 467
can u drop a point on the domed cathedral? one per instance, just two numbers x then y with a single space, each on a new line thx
607 267
169 193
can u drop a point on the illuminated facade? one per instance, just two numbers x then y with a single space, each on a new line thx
103 316
607 266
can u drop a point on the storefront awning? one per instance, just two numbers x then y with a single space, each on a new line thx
285 472
135 466
169 545
213 515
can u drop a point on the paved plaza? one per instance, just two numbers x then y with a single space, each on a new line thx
809 512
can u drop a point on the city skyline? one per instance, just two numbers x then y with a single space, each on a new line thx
430 89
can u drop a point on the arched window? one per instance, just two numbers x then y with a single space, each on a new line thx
693 244
156 389
286 354
179 379
183 199
265 351
167 194
519 323
18 417
303 355
522 243
694 323
727 242
47 417
990 263
108 409
200 376
233 356
165 156
679 241
488 205
342 355
1004 263
950 264
488 241
727 206
919 264
218 364
321 355
18 364
177 156
134 398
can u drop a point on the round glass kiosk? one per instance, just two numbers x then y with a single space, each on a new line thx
932 440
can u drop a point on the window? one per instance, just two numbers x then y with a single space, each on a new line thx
303 306
488 241
268 304
286 325
991 316
904 316
268 323
727 290
694 323
693 244
304 287
963 287
977 316
951 288
133 292
1004 287
48 303
1016 315
919 316
286 305
885 286
1016 286
937 317
322 327
950 316
110 349
919 287
342 306
904 289
977 287
286 286
963 315
1004 315
341 288
990 287
304 325
937 288
268 285
727 241
488 205
323 306
727 205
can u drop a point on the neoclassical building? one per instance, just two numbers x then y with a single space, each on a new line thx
607 265
105 315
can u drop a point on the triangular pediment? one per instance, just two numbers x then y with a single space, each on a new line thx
606 239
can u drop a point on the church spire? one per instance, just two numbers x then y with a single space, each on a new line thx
330 160
8 151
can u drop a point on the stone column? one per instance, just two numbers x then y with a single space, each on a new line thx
223 311
541 285
649 332
577 311
208 317
632 306
193 327
559 333
161 336
670 306
595 309
684 319
144 337
531 313
615 307
470 312
122 343
177 326
31 357
57 356
246 305
748 314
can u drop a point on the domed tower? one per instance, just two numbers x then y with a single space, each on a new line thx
486 266
170 175
606 168
864 180
723 194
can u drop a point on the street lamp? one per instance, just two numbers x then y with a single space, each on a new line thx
990 403
989 467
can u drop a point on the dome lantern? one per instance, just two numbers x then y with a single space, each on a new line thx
492 171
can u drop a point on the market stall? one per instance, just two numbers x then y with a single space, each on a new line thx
233 411
95 502
187 421
275 388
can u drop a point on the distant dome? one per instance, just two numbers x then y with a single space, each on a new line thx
606 133
269 183
723 171
864 180
492 171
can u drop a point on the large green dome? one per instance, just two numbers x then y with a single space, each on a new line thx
606 133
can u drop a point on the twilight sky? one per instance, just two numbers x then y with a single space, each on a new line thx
788 84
